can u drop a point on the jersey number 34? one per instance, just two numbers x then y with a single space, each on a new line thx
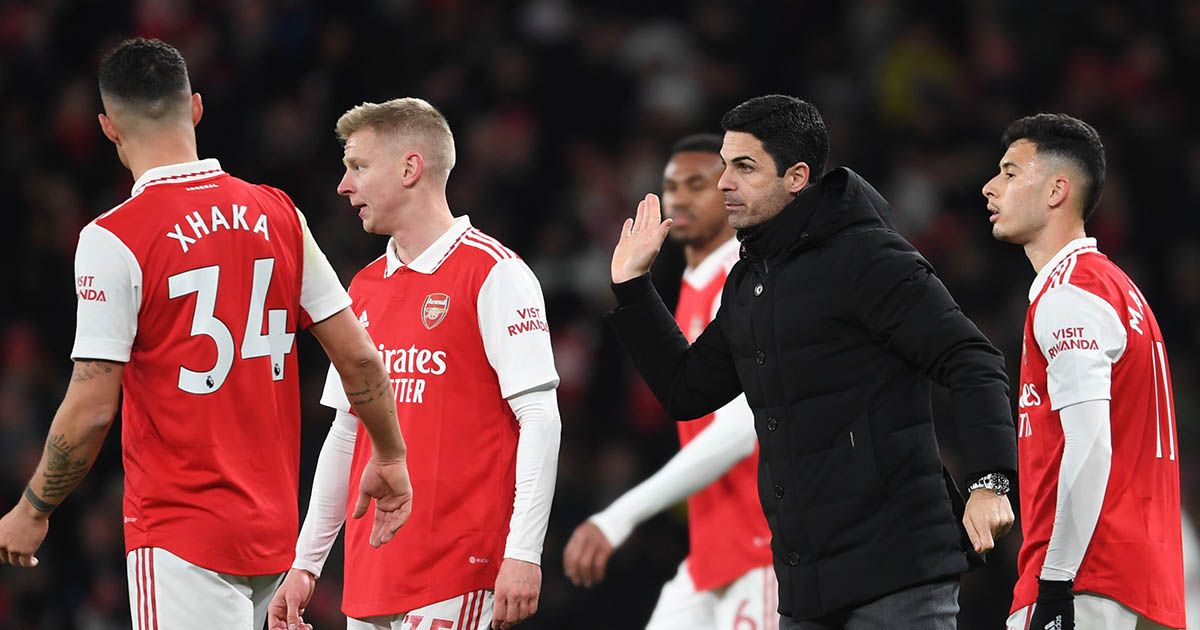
277 343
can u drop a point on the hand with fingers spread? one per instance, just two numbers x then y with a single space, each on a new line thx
388 483
988 516
641 239
22 531
287 605
585 558
517 589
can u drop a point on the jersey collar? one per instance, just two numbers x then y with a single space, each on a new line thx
1076 246
429 260
177 173
703 273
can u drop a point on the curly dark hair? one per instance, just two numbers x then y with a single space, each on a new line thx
790 129
1068 138
146 75
699 143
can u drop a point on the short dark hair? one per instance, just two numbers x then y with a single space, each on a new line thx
699 143
145 74
1069 138
790 129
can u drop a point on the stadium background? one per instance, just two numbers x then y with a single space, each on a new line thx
563 112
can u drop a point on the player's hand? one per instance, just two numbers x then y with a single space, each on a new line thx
22 531
288 604
586 556
988 516
1055 607
517 588
387 482
641 239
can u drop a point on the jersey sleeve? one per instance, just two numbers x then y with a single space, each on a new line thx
1081 337
108 289
334 395
512 322
321 293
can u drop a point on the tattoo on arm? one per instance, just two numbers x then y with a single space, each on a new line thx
37 502
62 472
87 369
368 394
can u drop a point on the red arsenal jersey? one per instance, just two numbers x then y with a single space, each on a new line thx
728 532
460 328
1090 335
199 283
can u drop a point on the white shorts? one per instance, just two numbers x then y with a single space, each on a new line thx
472 611
749 603
168 592
1092 612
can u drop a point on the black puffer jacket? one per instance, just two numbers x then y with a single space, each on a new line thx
834 325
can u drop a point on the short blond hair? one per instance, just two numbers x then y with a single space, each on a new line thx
409 118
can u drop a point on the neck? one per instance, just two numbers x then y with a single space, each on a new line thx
416 233
161 150
694 254
1041 249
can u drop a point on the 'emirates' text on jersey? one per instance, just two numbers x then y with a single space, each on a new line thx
1090 335
199 283
461 328
727 530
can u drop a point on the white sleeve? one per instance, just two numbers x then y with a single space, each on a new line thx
334 394
512 322
108 287
537 470
1082 481
722 444
321 293
327 506
1081 337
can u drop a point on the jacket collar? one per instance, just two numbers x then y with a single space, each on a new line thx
840 200
177 173
429 260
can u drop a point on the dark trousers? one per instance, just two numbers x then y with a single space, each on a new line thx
924 607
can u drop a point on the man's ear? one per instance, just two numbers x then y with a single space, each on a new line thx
197 109
412 168
109 129
796 177
1059 192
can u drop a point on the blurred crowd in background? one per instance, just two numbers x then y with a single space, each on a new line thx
563 112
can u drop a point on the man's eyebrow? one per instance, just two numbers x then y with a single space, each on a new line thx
742 158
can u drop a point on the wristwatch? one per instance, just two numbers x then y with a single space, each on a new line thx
996 482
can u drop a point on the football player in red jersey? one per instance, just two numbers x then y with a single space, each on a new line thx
189 296
461 324
727 580
1096 434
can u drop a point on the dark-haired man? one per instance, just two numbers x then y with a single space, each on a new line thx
833 326
727 580
190 294
1099 466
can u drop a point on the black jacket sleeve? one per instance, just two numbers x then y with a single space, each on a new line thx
907 308
689 381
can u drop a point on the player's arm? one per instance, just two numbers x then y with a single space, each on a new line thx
523 361
690 381
104 333
349 349
1079 380
76 435
366 385
728 440
326 514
